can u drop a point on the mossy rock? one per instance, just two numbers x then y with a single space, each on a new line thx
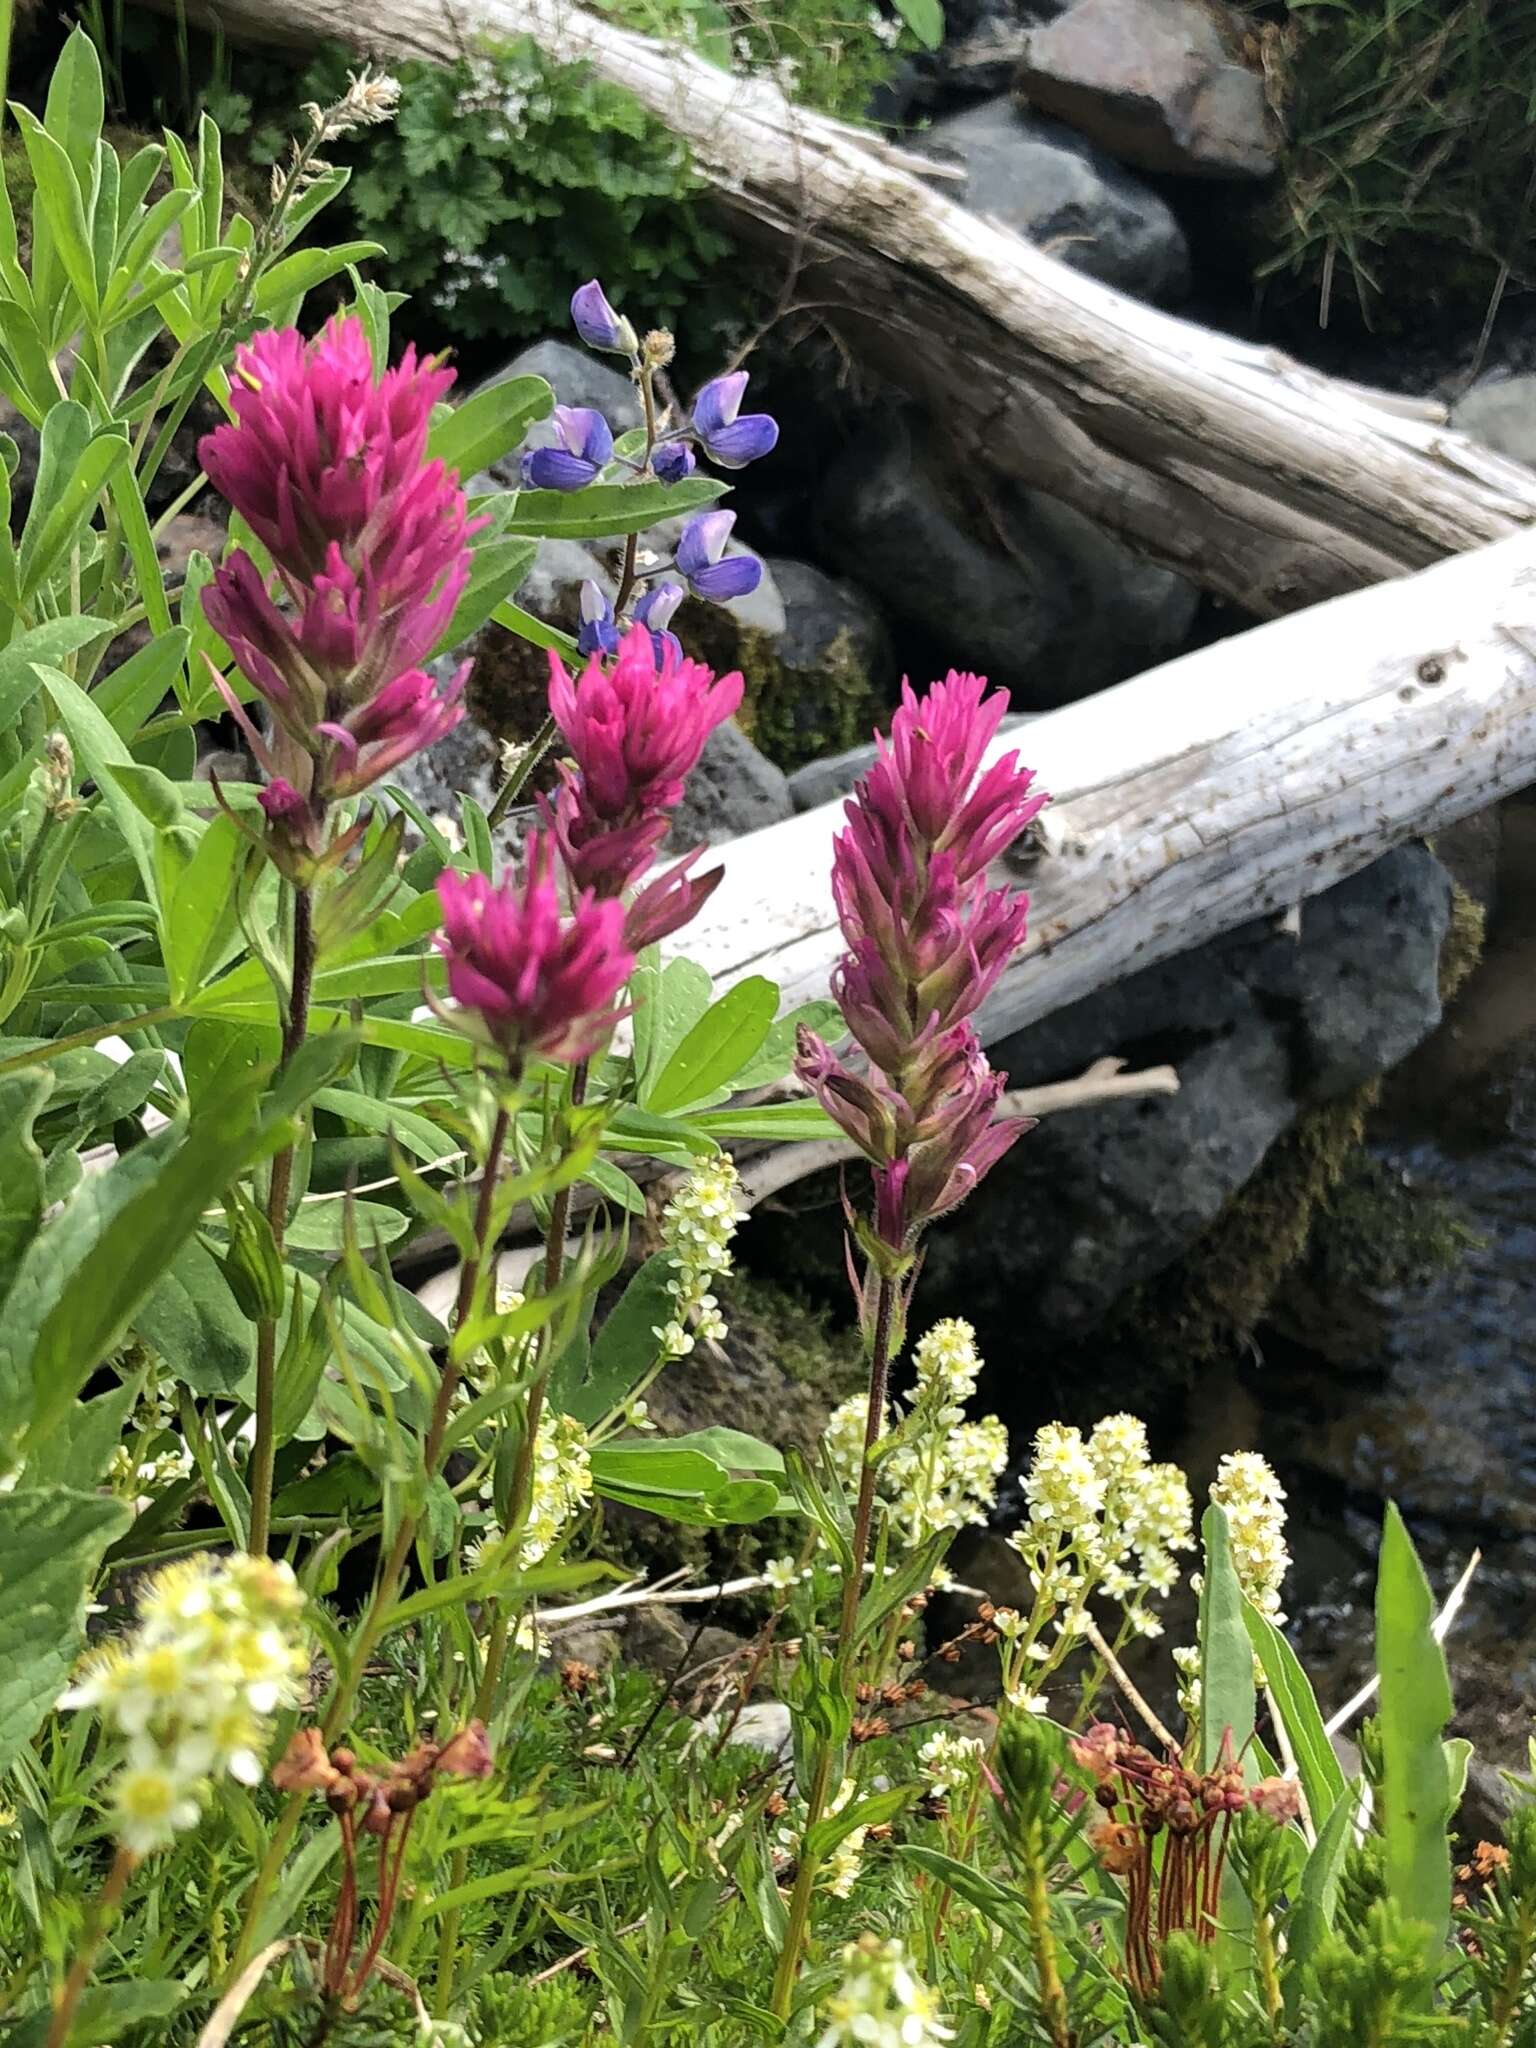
1317 1196
778 1376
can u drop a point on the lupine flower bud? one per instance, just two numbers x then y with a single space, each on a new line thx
583 451
598 324
598 631
537 981
672 461
731 440
654 612
702 560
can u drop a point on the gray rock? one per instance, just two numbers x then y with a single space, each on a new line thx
734 789
1058 191
576 377
1501 413
1162 84
1020 587
1259 1025
467 761
764 1726
822 782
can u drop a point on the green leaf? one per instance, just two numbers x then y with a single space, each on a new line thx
285 284
732 1448
1226 1655
108 2011
126 1225
200 922
490 424
76 103
52 1540
60 190
537 632
925 18
81 1451
495 571
52 642
1415 1706
99 749
781 1123
1293 1700
193 1320
777 1054
23 1194
46 542
133 692
626 1347
724 1039
320 1226
604 510
1311 1916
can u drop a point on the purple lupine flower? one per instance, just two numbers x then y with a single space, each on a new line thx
927 941
731 438
635 729
654 612
584 450
671 461
702 560
598 631
536 980
598 324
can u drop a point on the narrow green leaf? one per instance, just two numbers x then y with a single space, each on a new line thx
925 18
54 641
537 632
495 571
76 103
1292 1698
193 1321
604 510
52 1540
1227 1695
1415 1706
285 284
61 195
1311 1916
717 1047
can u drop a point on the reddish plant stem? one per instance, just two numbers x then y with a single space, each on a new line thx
98 1920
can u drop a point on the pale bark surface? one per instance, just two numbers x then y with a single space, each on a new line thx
1229 783
1256 478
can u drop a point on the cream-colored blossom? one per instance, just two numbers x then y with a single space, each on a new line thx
1254 1501
881 2002
697 1226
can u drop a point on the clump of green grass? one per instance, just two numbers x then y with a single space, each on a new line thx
1407 177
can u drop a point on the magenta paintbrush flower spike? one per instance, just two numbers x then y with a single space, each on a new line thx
635 725
322 449
536 979
327 462
926 944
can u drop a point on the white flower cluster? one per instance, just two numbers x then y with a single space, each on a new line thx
697 1226
949 1763
945 1476
1254 1500
1103 1516
215 1654
840 1870
561 1484
136 1470
881 2002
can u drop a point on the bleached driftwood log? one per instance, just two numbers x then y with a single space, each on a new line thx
1231 782
1258 479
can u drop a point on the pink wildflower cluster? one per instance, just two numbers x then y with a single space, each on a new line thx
635 727
926 942
326 462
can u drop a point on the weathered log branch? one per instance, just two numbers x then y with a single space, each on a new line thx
1258 479
1226 784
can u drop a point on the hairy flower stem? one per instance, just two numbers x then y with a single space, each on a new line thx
386 1585
98 1920
1042 1938
264 1448
788 1970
